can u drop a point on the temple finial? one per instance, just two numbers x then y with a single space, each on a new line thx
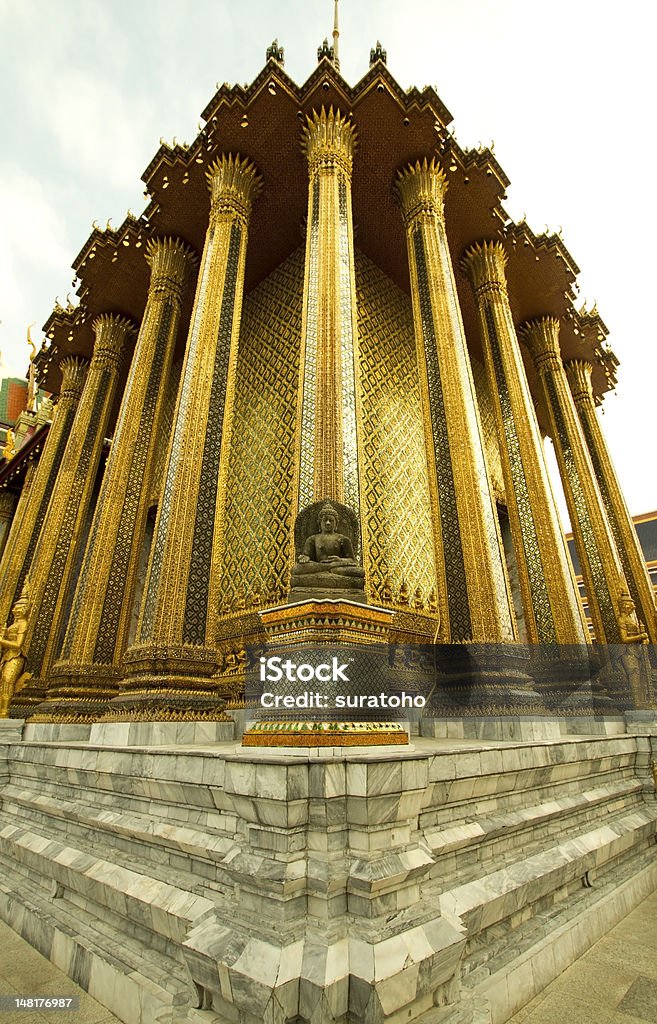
336 35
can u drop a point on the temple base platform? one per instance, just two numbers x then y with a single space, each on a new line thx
180 877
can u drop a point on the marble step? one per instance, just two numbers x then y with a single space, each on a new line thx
508 792
492 898
166 866
136 983
516 971
154 842
153 904
147 784
502 947
475 788
476 842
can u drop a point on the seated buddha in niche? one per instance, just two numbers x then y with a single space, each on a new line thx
327 558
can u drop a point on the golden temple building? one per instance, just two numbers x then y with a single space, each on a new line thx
324 300
301 408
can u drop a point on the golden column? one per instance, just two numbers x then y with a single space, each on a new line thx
632 559
59 542
474 600
33 503
328 414
102 608
550 602
182 594
601 567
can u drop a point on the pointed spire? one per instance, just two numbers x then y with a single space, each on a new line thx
276 52
336 36
378 53
331 51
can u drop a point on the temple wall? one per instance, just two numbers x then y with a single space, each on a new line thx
393 461
258 547
491 444
396 493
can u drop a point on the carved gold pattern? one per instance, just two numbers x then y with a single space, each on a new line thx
158 469
489 430
578 373
258 538
394 465
601 567
473 592
337 734
550 604
328 392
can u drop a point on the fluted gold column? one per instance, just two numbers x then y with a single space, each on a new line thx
51 570
102 608
181 602
329 414
473 592
33 503
601 567
550 602
620 520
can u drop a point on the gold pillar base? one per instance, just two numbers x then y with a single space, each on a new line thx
326 621
324 734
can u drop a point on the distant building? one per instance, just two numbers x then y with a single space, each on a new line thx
13 399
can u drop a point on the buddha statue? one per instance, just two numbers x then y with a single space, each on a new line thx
327 559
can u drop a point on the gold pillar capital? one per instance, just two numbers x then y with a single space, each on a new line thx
234 184
329 140
112 332
170 261
578 372
541 337
74 372
421 190
485 263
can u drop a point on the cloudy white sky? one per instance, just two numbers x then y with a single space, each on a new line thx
565 89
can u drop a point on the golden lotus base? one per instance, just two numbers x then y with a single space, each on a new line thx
324 734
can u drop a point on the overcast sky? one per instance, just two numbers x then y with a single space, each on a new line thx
565 89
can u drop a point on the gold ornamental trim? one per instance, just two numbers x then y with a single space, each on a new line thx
324 734
74 373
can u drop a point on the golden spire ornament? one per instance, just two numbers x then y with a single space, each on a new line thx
31 374
336 36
